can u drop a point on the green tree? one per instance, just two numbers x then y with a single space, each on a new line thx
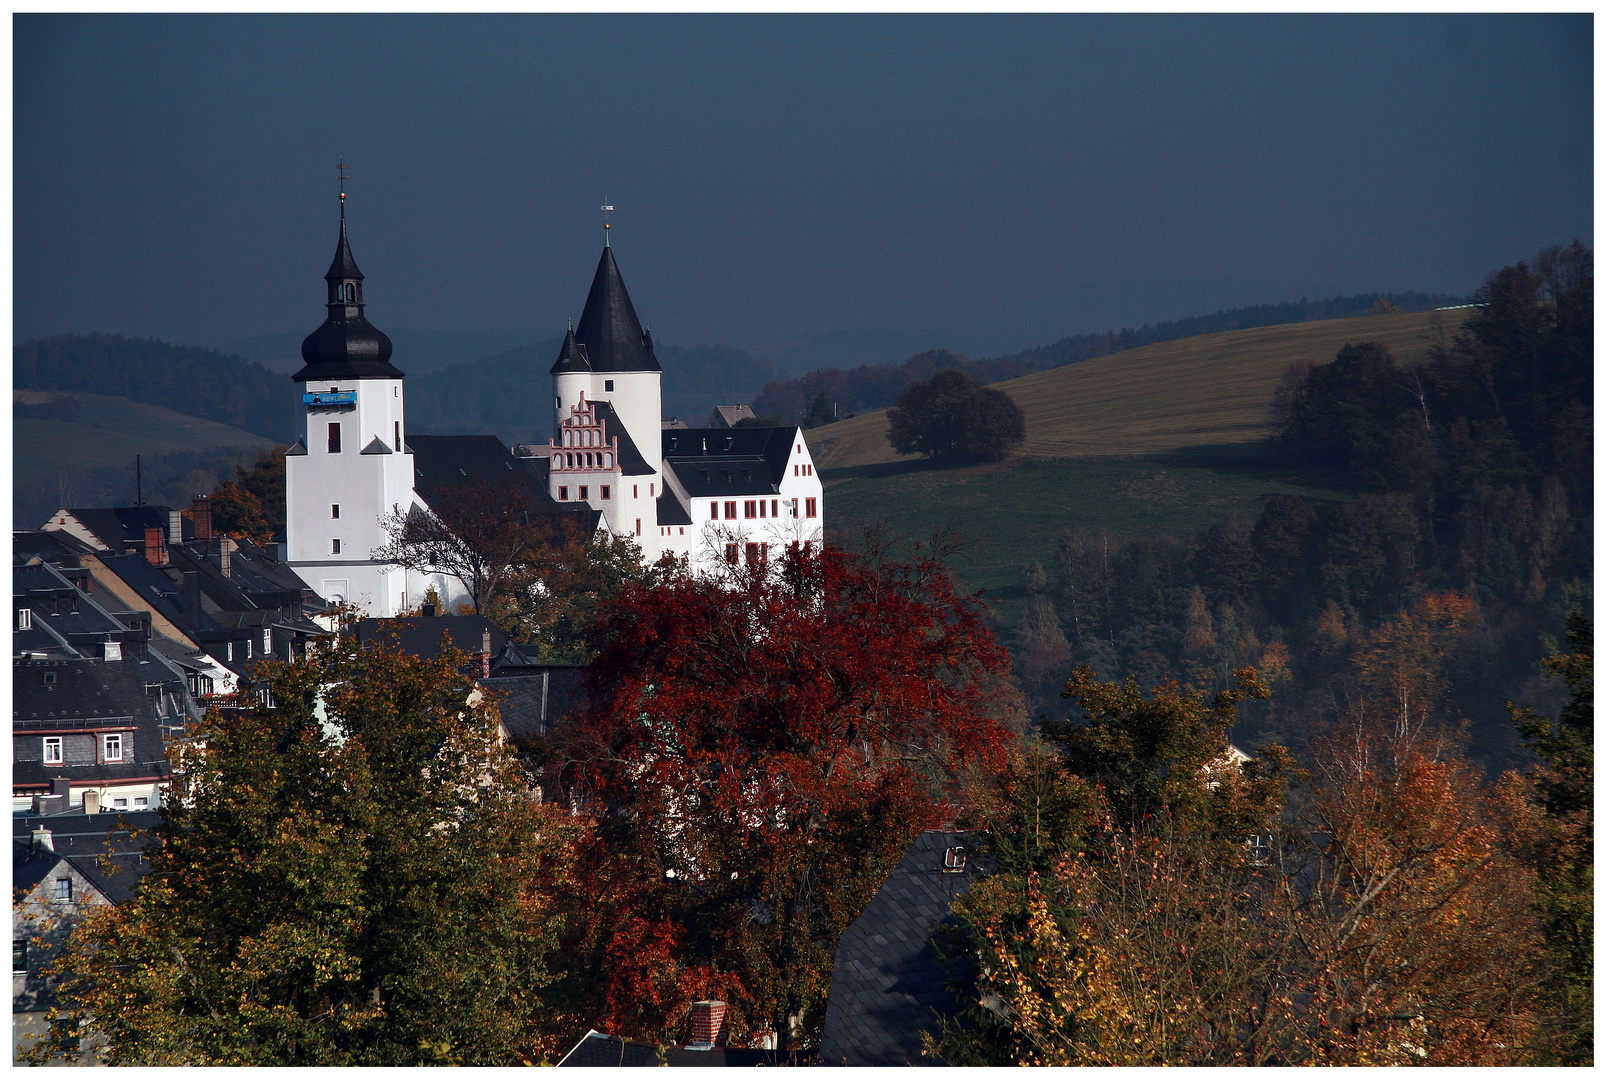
354 876
954 416
1566 846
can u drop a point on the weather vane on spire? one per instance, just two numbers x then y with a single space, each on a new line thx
608 208
342 169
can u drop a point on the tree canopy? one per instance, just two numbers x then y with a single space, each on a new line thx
952 416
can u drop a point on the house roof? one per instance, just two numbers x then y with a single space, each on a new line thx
887 983
107 848
631 462
121 527
597 1050
725 416
52 546
608 328
533 697
670 510
446 460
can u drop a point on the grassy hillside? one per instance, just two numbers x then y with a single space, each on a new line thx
1179 395
89 460
1158 439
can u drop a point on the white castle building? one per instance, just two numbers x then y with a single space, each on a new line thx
715 495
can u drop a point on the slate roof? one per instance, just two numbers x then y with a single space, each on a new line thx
726 416
670 510
445 460
89 842
887 983
598 1050
86 693
773 446
420 635
53 547
631 462
609 329
345 347
571 356
123 527
534 697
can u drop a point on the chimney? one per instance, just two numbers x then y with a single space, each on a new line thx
91 802
43 839
111 650
153 546
485 653
192 600
201 510
708 1023
175 527
226 548
428 611
61 785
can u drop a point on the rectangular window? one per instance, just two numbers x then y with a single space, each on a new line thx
761 508
120 804
650 491
334 510
142 802
795 508
638 526
398 436
731 554
583 492
636 491
24 618
809 508
111 748
750 509
267 636
19 955
730 511
753 554
334 438
563 493
773 504
608 386
53 750
603 492
334 546
64 888
795 470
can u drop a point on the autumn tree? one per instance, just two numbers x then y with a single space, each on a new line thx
354 876
251 504
483 533
758 753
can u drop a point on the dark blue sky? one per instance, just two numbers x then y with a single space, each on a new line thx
782 176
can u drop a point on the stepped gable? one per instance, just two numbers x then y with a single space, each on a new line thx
446 460
347 345
631 462
609 329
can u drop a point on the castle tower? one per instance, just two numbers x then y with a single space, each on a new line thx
351 466
606 386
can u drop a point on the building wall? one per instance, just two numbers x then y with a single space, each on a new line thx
366 487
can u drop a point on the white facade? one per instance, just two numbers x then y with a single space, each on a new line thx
349 471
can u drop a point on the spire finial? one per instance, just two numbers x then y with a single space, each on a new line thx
608 208
342 169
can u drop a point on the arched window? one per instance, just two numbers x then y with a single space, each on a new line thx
351 293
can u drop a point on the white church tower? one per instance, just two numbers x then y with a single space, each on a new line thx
351 465
607 414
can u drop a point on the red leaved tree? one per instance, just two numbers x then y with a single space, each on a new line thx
758 754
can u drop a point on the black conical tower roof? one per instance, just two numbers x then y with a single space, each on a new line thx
344 268
347 345
609 329
572 357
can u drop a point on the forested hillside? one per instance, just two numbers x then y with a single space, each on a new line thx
820 396
197 382
1452 570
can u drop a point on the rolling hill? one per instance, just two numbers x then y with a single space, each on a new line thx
89 459
1164 438
1211 390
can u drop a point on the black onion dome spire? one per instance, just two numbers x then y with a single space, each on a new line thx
347 345
572 357
609 330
